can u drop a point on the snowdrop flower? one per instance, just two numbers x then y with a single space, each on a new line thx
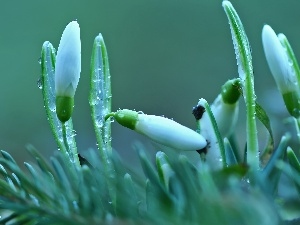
208 128
161 130
281 69
67 70
225 107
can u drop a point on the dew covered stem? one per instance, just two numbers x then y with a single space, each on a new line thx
245 69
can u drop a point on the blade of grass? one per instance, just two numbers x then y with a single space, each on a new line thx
245 69
100 103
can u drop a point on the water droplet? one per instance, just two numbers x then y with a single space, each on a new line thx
74 133
140 112
40 60
121 115
40 83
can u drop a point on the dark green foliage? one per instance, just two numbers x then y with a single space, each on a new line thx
59 194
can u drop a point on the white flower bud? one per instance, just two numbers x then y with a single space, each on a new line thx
161 130
226 115
225 107
67 70
68 61
281 70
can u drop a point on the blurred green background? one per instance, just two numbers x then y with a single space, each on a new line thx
164 56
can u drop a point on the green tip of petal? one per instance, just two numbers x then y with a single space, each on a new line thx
127 118
64 108
291 100
231 91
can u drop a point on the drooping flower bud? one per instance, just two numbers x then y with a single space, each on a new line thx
161 130
67 70
282 70
225 107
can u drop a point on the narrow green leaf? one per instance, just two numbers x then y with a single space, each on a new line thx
208 126
264 119
271 172
230 155
7 178
44 166
8 157
148 169
64 181
245 69
22 180
8 218
295 165
165 172
126 195
34 174
100 103
293 161
291 172
48 88
100 95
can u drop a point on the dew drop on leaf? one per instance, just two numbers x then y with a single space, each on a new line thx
40 83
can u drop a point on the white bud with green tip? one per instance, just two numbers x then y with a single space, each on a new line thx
161 130
67 70
225 108
282 70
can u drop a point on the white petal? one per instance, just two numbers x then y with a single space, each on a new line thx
68 61
169 133
278 60
207 130
225 114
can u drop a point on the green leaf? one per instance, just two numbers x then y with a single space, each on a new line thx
293 161
100 95
8 157
230 155
264 119
291 172
148 169
100 103
271 172
209 130
48 58
245 69
164 169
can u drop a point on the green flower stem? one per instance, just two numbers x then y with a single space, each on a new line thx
245 69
